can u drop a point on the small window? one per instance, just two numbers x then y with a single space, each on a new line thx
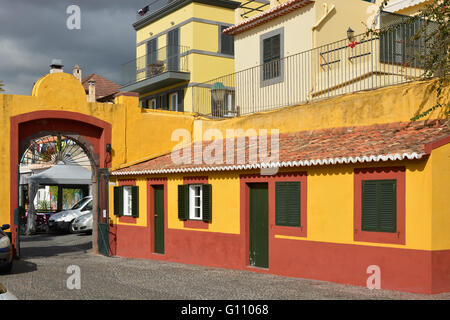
379 205
195 202
287 204
126 201
226 42
271 55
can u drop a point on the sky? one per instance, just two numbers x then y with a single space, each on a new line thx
33 32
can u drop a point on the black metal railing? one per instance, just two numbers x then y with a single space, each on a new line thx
165 59
362 63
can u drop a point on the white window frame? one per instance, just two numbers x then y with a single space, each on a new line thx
127 201
153 103
173 103
192 206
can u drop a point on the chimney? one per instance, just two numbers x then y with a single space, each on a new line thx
77 72
91 95
56 66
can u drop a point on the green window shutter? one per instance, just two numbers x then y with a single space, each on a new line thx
206 202
369 215
135 201
183 202
287 204
388 206
118 201
379 205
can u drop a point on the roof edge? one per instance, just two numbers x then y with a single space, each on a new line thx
287 164
173 6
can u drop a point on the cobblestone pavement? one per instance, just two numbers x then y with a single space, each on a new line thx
41 273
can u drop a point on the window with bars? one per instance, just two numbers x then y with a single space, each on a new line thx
271 57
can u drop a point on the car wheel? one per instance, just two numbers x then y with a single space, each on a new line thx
71 228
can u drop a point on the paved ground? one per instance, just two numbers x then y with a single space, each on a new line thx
42 274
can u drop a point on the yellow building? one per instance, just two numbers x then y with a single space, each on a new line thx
179 44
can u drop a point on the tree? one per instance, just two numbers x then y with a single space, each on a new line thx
434 59
1 86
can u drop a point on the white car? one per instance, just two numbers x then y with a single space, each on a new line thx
83 223
62 221
5 294
6 252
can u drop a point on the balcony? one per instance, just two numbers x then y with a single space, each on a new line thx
158 69
346 66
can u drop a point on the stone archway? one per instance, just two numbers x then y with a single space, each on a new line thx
92 133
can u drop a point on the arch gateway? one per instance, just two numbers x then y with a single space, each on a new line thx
58 106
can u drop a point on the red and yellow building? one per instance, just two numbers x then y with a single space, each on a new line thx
349 193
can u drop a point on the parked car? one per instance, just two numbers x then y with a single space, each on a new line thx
5 294
62 221
83 223
6 251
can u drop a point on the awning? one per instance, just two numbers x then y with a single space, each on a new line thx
397 5
63 175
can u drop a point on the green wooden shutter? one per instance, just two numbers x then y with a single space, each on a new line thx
387 206
287 203
369 214
183 201
206 202
135 201
118 201
379 205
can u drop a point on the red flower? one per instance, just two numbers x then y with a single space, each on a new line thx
352 44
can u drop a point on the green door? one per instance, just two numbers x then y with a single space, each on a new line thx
259 225
158 196
102 203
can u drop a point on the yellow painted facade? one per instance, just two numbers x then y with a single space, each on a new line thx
139 135
427 206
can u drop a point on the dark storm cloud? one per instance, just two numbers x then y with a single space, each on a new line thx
33 32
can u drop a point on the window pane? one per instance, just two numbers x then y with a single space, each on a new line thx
197 212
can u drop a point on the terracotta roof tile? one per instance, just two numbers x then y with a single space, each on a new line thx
384 142
103 86
266 16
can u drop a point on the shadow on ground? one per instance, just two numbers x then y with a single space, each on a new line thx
49 245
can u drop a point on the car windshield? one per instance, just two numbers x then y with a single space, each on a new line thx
80 203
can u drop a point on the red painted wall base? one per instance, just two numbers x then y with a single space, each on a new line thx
407 270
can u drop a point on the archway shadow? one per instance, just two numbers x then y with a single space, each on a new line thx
22 266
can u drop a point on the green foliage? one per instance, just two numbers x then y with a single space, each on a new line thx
435 58
43 205
1 86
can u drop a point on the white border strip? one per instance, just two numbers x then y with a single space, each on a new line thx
398 5
284 164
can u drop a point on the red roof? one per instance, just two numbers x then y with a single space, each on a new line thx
266 16
103 87
383 142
